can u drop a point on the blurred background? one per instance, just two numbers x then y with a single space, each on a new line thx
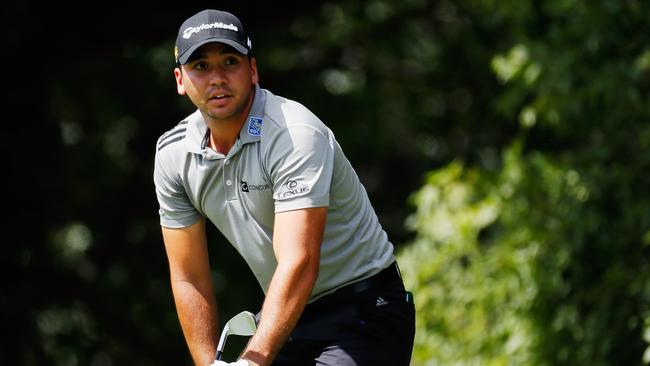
505 146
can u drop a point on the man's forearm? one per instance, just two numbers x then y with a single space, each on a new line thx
286 299
197 313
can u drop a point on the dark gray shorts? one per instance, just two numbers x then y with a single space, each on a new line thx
374 326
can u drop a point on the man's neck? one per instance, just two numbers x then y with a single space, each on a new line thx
224 135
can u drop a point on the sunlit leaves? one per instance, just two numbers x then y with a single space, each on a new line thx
559 261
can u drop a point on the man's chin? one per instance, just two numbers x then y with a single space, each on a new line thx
219 114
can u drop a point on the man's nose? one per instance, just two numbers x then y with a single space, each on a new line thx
218 76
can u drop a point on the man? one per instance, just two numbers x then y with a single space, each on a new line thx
272 178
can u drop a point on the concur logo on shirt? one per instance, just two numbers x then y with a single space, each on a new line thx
255 126
245 187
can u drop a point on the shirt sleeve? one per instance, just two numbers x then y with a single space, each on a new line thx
300 161
175 207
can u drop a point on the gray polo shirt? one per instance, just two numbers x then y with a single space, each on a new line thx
284 159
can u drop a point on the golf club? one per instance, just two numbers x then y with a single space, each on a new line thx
242 324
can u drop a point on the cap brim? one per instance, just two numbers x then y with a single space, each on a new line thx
182 59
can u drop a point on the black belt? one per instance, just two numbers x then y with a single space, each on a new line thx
346 294
387 275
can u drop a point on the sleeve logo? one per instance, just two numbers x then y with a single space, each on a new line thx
292 188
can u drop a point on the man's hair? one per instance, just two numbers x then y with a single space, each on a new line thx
228 47
179 66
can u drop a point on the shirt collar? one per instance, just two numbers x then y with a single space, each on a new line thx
251 130
196 132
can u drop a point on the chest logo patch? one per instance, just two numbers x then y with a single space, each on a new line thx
255 126
245 187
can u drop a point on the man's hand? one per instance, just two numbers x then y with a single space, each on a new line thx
238 363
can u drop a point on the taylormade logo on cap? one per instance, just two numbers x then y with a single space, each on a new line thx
187 33
207 26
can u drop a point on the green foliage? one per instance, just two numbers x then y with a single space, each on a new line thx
523 267
544 259
472 294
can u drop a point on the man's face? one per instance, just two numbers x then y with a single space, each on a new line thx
219 81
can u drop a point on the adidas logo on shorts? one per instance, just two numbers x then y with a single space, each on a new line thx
381 302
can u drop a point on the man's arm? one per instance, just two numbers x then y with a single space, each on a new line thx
192 288
297 237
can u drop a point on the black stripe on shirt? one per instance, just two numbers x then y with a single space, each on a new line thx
172 135
169 141
179 124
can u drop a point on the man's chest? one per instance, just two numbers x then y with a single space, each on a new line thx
233 188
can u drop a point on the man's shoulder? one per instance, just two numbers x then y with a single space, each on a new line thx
172 136
172 139
284 113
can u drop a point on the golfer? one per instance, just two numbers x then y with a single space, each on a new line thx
273 179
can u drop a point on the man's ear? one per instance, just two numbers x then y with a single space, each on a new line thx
256 76
178 75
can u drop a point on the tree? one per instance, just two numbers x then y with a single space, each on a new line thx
543 258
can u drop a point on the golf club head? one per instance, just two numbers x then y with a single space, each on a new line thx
242 324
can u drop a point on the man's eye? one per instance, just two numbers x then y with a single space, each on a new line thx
232 61
199 66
